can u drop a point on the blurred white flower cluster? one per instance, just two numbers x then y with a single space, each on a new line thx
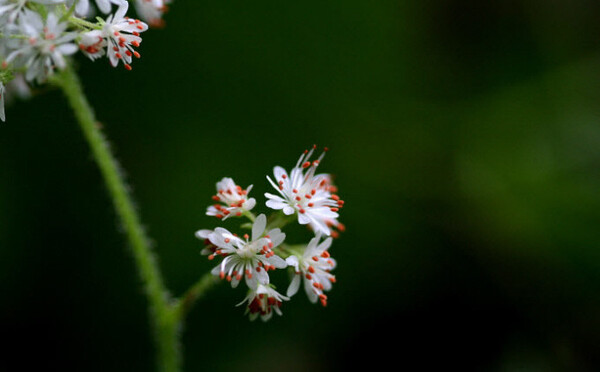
304 196
37 37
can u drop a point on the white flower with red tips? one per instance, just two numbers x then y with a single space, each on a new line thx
45 47
234 200
122 34
249 258
263 301
306 193
152 11
313 267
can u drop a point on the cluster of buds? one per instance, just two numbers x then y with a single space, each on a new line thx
38 36
304 196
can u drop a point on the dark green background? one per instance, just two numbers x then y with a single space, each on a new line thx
465 139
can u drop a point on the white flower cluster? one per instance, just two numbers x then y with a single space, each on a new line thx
37 36
304 196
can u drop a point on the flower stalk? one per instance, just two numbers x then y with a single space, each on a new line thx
165 312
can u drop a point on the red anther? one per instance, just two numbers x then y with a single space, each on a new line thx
334 209
238 277
260 264
140 27
315 258
228 278
302 211
227 240
335 197
270 244
308 196
308 276
311 269
311 204
215 198
219 215
271 301
313 191
211 257
295 191
135 33
135 43
283 176
246 236
325 254
316 285
332 279
226 212
238 214
116 33
127 67
325 149
315 163
335 234
128 53
306 164
341 226
222 274
258 269
298 198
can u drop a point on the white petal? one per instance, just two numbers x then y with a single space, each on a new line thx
278 262
259 226
294 285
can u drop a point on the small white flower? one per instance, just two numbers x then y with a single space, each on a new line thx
249 258
233 197
93 44
305 192
122 34
152 11
83 6
46 47
263 301
10 10
314 267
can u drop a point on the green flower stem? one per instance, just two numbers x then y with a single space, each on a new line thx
196 291
164 313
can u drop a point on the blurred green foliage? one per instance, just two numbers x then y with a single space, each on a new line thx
464 138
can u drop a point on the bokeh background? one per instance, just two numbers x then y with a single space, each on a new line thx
465 140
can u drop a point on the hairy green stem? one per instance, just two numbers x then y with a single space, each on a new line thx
164 313
196 291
